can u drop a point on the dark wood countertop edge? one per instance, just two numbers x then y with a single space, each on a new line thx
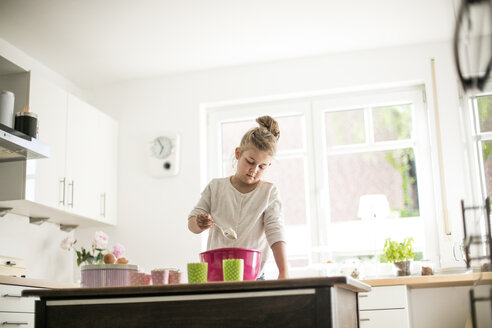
211 287
35 283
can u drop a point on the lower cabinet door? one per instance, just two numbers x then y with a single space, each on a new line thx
394 318
16 319
11 299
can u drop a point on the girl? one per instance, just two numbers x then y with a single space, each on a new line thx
244 202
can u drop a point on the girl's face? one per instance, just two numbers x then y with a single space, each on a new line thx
251 165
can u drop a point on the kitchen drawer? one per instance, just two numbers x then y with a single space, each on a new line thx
386 297
12 301
16 320
384 319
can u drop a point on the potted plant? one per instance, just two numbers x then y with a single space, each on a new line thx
400 254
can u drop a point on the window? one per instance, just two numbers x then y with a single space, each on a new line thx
352 170
481 108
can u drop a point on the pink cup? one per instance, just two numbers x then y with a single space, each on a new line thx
140 279
145 279
175 277
160 276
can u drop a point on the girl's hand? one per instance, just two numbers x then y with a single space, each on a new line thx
204 221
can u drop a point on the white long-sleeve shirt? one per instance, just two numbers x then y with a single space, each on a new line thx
256 216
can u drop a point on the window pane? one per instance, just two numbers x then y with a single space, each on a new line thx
392 123
391 173
232 132
485 113
291 133
487 165
345 127
298 263
289 176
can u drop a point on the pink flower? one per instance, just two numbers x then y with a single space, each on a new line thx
67 243
100 240
119 250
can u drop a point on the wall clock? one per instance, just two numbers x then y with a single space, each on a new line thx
163 155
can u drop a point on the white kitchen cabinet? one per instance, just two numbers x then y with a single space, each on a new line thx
50 103
107 167
79 179
390 318
384 307
15 310
81 161
90 178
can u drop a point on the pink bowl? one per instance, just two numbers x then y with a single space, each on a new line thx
214 257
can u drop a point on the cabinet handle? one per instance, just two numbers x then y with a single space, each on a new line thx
365 319
361 296
17 323
72 185
11 263
12 295
103 207
62 181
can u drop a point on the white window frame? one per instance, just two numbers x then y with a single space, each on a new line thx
471 120
421 142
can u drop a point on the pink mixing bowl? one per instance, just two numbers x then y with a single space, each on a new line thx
214 257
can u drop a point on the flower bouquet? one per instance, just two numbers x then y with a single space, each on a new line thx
99 266
98 253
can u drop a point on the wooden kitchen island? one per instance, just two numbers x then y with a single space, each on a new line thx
306 302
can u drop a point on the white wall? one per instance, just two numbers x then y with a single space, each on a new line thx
153 212
39 246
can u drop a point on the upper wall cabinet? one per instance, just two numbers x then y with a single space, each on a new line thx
50 103
77 185
107 174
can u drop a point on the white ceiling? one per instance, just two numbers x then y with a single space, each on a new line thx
94 42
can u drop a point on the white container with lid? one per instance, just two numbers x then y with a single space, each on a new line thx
7 99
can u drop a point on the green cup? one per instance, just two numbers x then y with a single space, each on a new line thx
197 272
233 269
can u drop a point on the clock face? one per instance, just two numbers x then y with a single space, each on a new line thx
161 147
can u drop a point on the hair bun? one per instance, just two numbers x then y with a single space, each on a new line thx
270 124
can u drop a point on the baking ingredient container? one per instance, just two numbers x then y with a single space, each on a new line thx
214 257
27 123
106 275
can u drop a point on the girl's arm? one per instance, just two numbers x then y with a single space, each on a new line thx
280 256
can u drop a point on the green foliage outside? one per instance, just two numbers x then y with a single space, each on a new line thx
485 118
396 252
401 160
398 123
397 120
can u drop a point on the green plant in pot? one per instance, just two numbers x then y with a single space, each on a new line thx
400 254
